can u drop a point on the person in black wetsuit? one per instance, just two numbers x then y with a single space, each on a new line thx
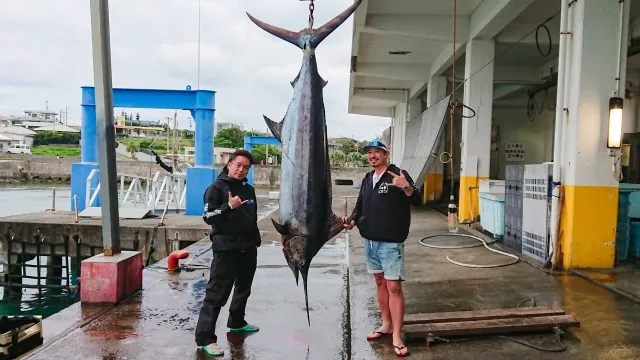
231 210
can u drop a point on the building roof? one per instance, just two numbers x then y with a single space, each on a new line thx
57 127
4 138
16 130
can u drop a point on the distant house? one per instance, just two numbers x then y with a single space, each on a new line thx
139 128
333 146
57 127
5 142
18 134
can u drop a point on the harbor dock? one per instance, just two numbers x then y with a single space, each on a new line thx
159 321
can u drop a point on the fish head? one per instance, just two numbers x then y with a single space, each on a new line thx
296 250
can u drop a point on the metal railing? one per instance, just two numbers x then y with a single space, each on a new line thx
154 193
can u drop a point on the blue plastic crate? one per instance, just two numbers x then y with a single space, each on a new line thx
492 213
634 243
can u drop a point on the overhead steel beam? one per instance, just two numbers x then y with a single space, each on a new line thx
391 95
504 91
493 16
430 27
372 111
409 72
485 23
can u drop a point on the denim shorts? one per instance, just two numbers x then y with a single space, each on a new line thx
385 257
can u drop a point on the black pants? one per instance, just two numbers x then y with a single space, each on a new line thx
227 268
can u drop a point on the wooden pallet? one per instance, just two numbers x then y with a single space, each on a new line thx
487 322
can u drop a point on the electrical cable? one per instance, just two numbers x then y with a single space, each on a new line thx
516 259
501 53
543 26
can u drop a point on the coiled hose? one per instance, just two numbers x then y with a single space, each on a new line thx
486 245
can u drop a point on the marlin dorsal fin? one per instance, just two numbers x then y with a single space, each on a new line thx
275 127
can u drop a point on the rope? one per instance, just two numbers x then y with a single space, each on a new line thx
516 259
452 109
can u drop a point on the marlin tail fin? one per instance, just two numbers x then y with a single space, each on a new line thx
300 38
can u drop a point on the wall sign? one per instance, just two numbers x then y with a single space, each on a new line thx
514 151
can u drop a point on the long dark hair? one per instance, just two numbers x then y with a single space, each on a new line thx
239 152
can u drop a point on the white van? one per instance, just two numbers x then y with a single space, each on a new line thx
20 149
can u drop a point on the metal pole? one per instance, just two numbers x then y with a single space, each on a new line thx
105 128
198 44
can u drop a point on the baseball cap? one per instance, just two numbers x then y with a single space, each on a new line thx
378 144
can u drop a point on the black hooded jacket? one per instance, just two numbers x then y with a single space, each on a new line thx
383 212
231 229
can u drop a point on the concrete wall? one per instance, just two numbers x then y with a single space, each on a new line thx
52 169
269 176
515 127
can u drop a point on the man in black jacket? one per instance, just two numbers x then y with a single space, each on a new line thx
231 210
383 215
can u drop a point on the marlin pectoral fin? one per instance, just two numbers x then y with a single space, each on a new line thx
275 127
282 229
335 226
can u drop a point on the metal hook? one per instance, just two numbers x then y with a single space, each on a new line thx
456 104
312 7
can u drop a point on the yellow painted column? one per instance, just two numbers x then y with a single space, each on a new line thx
476 130
589 208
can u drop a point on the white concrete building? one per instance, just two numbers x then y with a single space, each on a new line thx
5 142
528 85
225 125
18 134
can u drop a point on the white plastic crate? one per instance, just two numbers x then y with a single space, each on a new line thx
492 213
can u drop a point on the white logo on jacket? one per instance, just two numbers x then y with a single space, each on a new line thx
383 189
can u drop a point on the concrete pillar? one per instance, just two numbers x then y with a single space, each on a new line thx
476 131
404 112
436 90
398 133
590 206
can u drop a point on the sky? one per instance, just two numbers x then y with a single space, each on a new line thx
47 56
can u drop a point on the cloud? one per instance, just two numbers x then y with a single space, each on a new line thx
47 57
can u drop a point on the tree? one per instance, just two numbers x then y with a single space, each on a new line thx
338 158
356 159
230 138
132 148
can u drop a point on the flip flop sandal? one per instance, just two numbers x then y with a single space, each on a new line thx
379 335
212 350
400 348
246 328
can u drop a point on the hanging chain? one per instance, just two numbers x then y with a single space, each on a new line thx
311 8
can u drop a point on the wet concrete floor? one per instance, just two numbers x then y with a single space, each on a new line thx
159 322
610 323
624 279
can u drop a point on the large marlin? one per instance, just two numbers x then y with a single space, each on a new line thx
306 220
